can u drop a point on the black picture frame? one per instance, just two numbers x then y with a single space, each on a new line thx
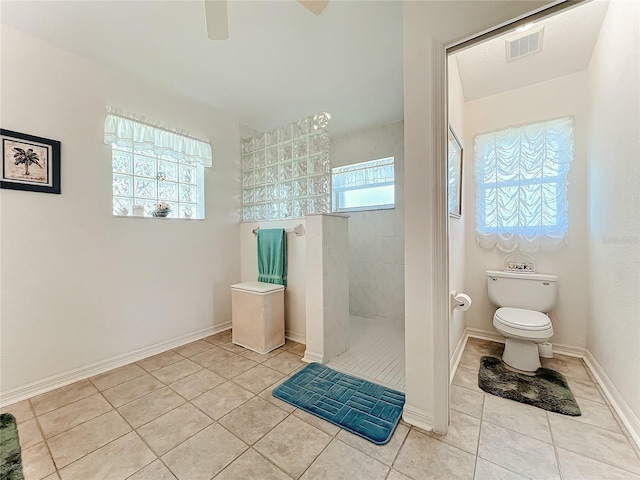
20 152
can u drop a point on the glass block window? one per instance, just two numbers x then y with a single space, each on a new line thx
147 179
364 186
154 165
286 172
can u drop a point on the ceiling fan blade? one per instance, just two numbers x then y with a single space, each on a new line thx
314 6
216 16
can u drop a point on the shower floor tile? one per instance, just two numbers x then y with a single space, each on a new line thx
376 352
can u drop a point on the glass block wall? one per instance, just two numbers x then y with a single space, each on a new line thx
143 178
286 172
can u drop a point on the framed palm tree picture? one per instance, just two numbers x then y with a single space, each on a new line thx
29 162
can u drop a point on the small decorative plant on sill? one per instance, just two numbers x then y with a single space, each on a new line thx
162 210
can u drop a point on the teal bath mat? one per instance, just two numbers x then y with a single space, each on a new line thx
10 460
363 408
548 389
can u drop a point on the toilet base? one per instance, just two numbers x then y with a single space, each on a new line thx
521 354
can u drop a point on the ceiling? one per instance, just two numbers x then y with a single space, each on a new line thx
568 42
279 64
282 63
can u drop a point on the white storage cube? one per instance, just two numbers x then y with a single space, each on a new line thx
257 316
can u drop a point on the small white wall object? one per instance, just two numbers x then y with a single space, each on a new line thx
460 301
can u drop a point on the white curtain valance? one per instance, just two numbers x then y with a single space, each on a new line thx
375 172
521 178
143 135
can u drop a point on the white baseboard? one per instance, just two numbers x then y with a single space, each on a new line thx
558 348
295 336
417 417
60 380
457 354
569 350
615 398
484 335
310 357
610 391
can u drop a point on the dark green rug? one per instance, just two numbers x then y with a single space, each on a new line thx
10 461
548 389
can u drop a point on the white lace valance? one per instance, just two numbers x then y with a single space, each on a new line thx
521 178
143 135
374 172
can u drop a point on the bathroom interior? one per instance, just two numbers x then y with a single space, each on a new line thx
346 270
487 92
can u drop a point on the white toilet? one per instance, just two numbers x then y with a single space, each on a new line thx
524 299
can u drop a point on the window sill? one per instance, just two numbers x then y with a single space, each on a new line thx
365 209
157 218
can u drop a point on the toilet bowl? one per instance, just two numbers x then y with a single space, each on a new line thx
523 298
523 330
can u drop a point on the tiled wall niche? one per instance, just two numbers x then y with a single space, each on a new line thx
286 172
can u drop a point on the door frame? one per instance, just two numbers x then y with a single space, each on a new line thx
436 53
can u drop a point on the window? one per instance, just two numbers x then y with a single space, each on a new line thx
364 186
154 165
286 172
521 176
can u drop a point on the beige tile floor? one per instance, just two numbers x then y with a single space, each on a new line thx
205 410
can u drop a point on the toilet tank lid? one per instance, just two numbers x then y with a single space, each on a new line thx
257 287
547 277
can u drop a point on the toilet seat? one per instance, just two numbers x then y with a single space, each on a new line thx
522 319
523 324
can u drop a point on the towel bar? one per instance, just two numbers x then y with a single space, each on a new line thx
298 230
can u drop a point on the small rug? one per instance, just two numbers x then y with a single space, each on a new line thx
10 460
548 389
363 408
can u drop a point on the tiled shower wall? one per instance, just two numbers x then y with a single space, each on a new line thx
286 172
376 237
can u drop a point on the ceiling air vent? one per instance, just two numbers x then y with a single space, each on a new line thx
524 44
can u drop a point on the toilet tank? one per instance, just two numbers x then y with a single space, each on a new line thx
532 291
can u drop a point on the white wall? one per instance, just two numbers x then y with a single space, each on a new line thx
427 27
376 237
614 202
457 225
80 286
295 294
564 96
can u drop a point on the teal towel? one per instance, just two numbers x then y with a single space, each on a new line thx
272 256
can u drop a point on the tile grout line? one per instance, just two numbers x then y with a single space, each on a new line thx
618 467
291 414
159 457
44 439
318 455
395 458
475 464
133 430
113 408
64 405
555 447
